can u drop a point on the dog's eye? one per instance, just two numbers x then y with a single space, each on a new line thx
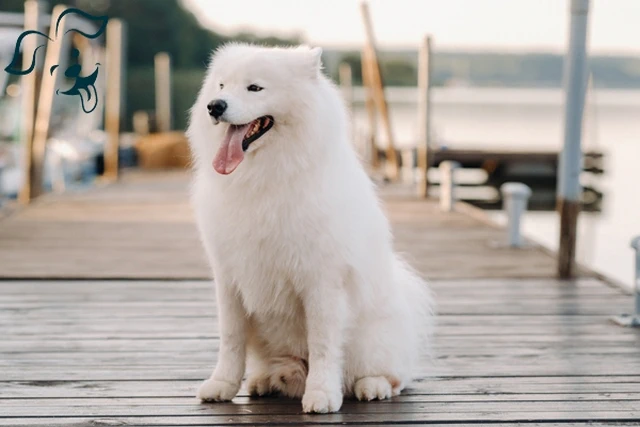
254 88
221 86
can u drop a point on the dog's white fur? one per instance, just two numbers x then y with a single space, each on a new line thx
310 292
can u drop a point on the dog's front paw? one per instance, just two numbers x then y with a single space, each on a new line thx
217 391
321 401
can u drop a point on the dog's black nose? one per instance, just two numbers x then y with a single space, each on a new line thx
217 108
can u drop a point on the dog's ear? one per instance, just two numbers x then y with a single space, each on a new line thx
312 59
316 57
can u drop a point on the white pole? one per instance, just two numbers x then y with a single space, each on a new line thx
569 190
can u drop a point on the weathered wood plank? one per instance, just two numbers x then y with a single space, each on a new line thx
497 388
168 407
297 418
516 346
197 421
142 228
402 403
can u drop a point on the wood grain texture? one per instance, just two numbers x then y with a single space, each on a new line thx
142 228
120 327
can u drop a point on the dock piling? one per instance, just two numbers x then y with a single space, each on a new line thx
633 320
113 101
575 82
162 63
31 185
371 146
516 197
377 85
447 185
424 116
346 83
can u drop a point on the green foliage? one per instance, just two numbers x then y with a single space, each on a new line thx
354 60
399 68
185 86
154 26
399 73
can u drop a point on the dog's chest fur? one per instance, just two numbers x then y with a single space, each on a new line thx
267 246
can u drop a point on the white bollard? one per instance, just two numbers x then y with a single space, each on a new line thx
516 198
447 185
633 320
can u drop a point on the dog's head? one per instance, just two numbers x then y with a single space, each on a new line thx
251 94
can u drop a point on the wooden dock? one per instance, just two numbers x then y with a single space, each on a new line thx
108 319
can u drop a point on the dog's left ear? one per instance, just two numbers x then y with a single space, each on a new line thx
311 59
314 60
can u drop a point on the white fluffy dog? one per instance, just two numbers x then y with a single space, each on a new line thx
312 300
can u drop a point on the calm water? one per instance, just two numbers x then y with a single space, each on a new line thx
532 118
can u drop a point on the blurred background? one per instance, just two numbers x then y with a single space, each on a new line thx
497 74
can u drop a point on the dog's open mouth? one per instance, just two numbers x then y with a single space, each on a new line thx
257 128
237 140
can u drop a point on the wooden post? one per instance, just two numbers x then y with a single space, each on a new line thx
378 90
163 91
29 83
45 102
372 146
346 87
424 116
113 99
346 84
90 54
570 166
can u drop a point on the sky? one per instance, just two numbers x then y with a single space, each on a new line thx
513 25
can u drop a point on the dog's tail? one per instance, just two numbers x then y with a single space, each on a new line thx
420 306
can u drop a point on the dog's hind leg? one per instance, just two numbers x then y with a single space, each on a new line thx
390 339
284 375
374 368
288 375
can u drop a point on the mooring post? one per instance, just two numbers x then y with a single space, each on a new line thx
633 320
371 146
447 185
113 98
377 85
162 63
424 116
346 84
345 78
516 197
31 187
45 100
570 166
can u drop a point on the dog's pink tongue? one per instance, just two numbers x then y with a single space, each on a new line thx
230 153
